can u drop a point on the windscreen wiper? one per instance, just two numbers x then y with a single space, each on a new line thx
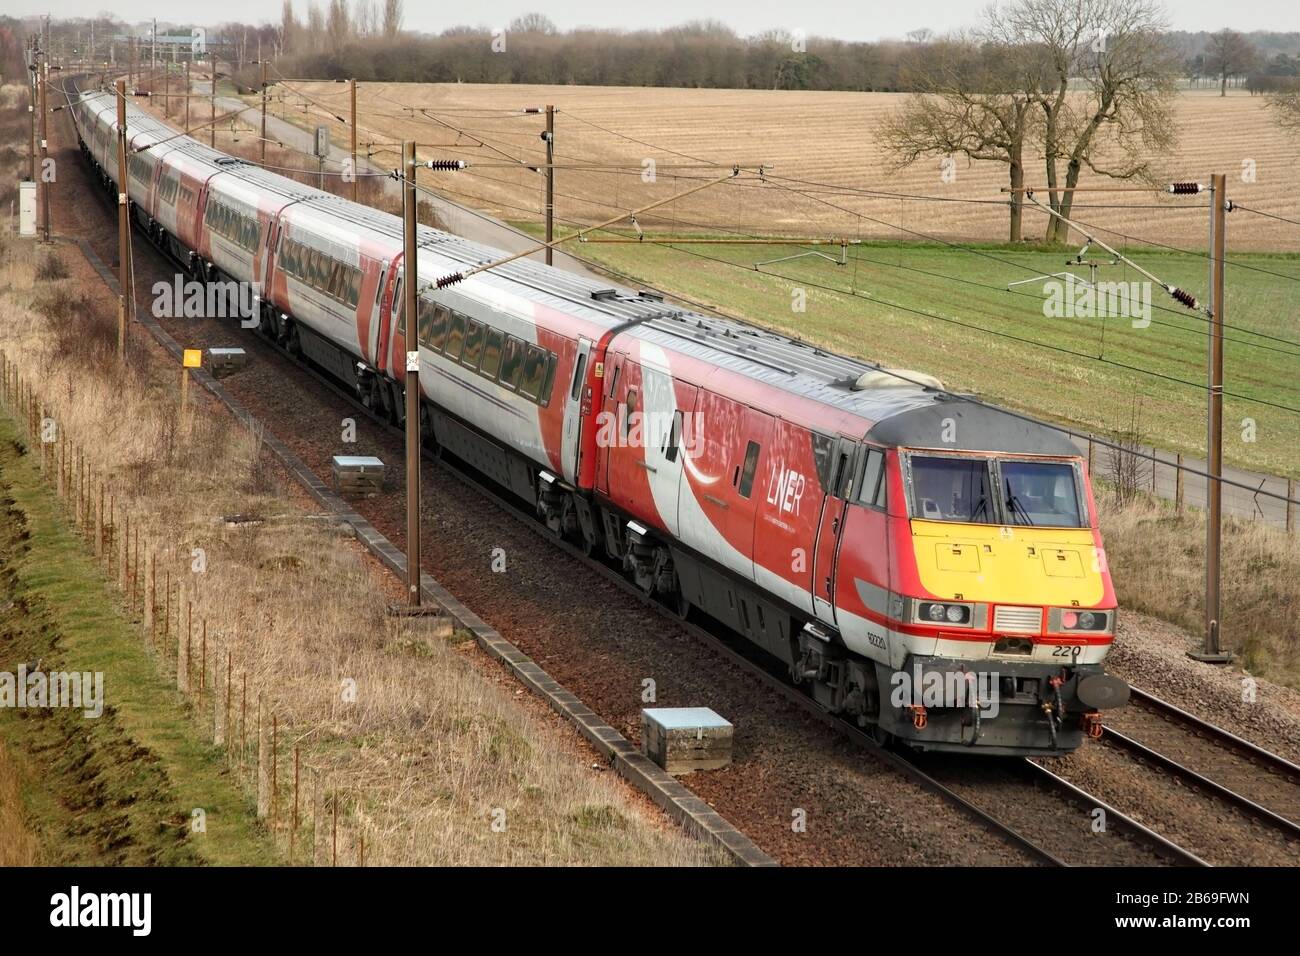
979 508
1016 506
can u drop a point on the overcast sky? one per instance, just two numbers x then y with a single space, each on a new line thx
843 19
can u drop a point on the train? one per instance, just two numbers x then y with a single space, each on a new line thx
924 564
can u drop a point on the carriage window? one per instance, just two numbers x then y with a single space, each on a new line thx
823 455
674 437
455 335
632 396
952 489
840 476
473 344
749 469
354 287
578 369
530 383
438 328
512 363
548 382
425 312
872 469
492 353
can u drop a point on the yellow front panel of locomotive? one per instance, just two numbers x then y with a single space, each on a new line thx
1052 567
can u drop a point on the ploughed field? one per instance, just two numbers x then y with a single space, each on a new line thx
822 137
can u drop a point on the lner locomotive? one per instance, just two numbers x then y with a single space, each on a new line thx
924 564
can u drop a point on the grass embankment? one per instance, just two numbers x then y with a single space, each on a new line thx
1157 561
121 788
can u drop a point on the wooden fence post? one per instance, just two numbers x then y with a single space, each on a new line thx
263 777
1290 508
148 601
182 651
317 819
1178 486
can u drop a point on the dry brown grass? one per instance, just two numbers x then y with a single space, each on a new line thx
1159 560
434 746
18 845
821 136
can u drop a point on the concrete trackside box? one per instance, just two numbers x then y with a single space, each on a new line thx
684 739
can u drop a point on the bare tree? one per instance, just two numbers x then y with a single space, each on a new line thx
1228 53
288 28
1285 105
1118 51
973 102
392 18
366 17
1128 465
315 25
338 24
532 23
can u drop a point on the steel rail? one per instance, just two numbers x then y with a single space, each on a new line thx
1260 812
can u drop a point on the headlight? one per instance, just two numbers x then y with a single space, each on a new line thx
1094 621
938 613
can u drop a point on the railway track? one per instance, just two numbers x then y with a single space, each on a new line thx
1030 819
1255 782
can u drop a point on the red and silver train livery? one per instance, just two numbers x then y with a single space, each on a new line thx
924 564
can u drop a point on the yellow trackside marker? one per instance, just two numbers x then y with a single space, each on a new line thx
193 358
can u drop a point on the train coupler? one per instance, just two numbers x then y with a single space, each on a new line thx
1090 724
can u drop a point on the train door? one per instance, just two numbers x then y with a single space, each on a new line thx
609 415
830 528
571 443
391 305
748 461
626 452
678 444
664 405
376 316
262 264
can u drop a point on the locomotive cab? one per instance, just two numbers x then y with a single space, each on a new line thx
1008 608
984 620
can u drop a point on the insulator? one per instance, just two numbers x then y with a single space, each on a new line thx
1186 298
446 165
1185 189
449 280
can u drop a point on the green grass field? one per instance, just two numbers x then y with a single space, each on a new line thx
948 311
